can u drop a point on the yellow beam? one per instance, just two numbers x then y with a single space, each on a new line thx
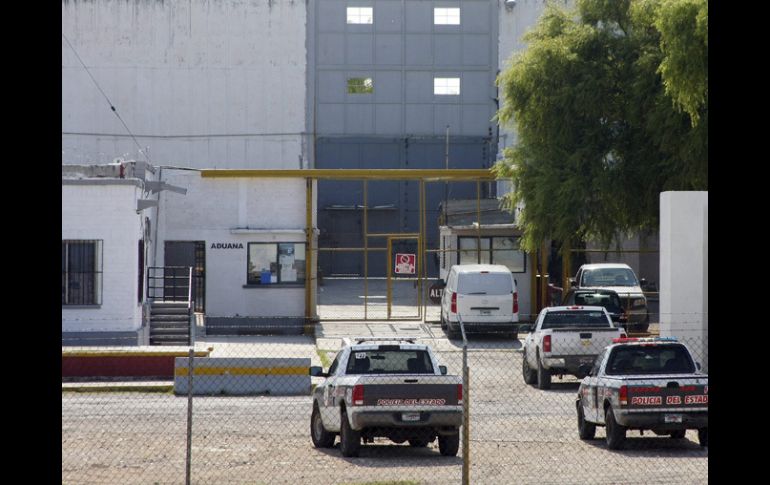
355 174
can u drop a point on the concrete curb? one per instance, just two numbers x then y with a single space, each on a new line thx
159 388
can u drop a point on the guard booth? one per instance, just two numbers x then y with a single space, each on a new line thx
480 232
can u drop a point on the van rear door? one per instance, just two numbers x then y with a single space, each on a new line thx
485 296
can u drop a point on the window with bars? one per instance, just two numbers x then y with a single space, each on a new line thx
81 272
446 16
360 15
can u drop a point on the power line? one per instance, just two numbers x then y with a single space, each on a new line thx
112 107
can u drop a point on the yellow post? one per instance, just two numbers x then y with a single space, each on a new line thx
544 299
533 287
478 221
566 267
390 263
366 254
308 250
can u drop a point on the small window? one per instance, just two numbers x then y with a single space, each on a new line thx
360 15
81 272
360 85
276 263
446 16
446 86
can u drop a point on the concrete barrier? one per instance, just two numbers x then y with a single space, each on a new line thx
244 376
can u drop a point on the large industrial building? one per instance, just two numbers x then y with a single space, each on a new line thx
283 84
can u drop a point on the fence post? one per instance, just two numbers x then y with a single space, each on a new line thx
190 370
466 410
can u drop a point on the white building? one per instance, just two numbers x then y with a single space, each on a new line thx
106 233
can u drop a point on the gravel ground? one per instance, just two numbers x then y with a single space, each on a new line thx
518 434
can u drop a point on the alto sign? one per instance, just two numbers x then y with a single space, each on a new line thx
435 292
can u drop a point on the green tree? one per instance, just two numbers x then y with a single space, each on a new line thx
609 111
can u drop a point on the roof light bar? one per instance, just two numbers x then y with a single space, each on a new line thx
359 340
624 340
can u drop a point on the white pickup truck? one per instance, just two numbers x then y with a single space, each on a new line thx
647 383
563 339
386 387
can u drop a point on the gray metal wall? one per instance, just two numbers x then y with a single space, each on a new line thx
402 124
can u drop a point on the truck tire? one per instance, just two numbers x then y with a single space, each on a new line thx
678 434
321 437
703 436
449 444
530 376
350 440
418 443
543 376
443 322
586 430
616 434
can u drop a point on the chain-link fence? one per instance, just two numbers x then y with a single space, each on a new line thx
247 416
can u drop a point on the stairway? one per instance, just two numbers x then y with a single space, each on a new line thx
169 323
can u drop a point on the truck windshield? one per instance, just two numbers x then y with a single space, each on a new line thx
574 318
650 359
389 362
608 300
609 277
485 284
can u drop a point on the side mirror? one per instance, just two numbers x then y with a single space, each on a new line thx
572 282
643 282
584 370
443 370
318 371
697 365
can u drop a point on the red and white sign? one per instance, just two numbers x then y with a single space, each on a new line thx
405 263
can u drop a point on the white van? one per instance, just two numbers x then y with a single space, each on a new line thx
484 295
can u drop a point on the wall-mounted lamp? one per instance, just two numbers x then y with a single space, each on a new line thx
509 4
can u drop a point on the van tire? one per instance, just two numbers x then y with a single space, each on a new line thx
678 434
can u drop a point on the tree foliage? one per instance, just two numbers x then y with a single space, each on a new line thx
610 104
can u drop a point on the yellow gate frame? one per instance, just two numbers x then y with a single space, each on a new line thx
365 175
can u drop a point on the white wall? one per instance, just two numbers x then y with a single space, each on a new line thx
108 213
212 208
684 269
185 73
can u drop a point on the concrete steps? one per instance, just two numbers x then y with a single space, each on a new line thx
169 323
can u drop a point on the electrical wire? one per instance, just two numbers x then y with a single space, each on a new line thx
112 107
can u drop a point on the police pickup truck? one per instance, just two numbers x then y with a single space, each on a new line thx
644 384
386 387
563 339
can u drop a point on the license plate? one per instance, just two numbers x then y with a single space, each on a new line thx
586 360
586 342
672 418
410 416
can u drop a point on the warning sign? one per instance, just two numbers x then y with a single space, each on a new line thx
405 263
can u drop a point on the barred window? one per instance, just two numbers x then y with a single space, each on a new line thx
276 263
81 272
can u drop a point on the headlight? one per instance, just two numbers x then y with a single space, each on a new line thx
638 302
